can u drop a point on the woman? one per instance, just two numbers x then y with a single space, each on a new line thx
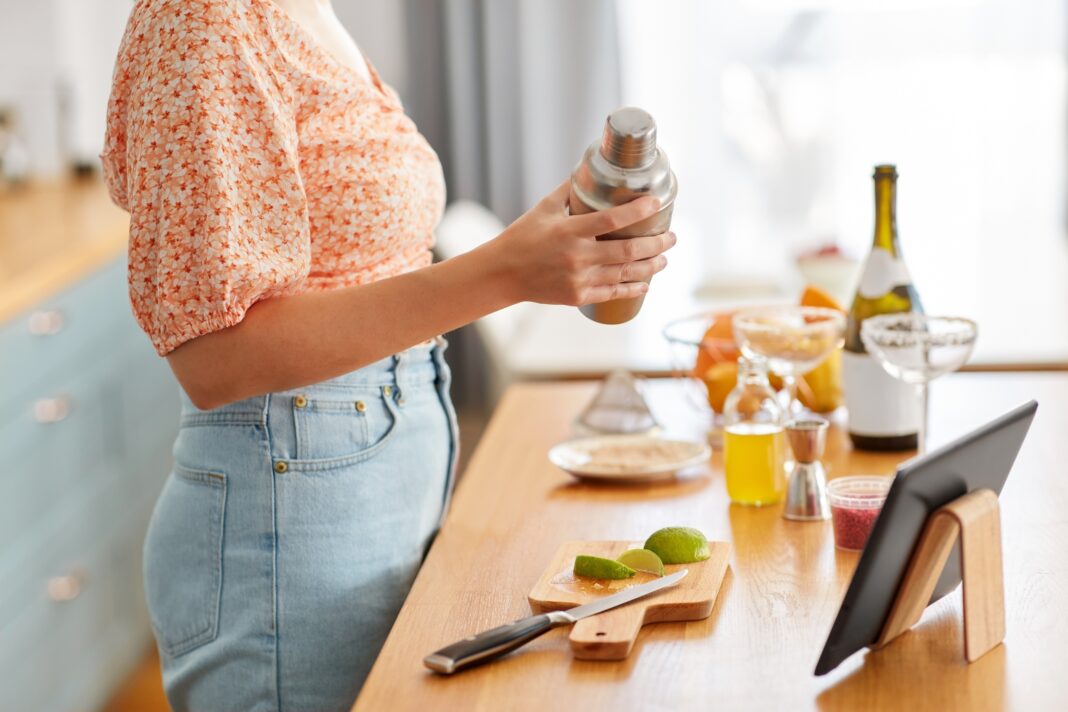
282 214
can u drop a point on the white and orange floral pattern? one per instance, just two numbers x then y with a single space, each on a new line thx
254 164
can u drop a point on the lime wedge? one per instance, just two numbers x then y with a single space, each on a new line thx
642 560
596 567
678 545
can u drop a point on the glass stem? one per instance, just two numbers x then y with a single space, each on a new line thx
921 436
789 386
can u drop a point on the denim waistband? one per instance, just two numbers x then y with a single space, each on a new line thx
421 365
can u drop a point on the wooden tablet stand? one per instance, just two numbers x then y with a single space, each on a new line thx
976 517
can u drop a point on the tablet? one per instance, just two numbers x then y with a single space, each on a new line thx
979 460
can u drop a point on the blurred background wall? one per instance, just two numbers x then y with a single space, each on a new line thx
56 58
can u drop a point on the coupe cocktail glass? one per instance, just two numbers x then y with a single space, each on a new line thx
917 349
793 339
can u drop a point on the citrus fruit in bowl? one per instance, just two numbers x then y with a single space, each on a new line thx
820 390
702 347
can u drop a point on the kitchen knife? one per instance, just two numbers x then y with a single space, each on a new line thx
504 639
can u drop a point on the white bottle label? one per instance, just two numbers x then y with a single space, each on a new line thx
879 404
882 272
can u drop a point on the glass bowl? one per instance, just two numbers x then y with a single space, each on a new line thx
703 353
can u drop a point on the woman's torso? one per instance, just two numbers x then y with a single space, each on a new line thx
373 184
254 163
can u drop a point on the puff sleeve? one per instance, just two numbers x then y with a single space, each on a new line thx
201 150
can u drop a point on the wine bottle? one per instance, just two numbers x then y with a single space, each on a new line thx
884 412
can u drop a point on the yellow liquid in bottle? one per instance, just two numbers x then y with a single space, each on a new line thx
754 457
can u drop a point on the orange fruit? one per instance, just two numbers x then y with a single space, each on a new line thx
820 389
813 296
720 379
717 345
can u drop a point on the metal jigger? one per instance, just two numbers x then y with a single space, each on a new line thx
806 493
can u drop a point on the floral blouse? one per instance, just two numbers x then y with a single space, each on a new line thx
253 164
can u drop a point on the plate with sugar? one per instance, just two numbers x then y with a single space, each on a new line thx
631 458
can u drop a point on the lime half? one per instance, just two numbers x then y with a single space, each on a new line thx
596 567
642 560
679 545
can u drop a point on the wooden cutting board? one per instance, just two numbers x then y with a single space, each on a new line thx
611 635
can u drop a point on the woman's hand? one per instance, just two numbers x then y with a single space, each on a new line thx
555 258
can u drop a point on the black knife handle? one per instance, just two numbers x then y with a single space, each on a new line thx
493 643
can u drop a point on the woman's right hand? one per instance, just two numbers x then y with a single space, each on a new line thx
555 258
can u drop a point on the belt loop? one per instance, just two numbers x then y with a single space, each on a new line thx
437 355
267 410
400 370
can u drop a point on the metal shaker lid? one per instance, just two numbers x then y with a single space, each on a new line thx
629 139
625 164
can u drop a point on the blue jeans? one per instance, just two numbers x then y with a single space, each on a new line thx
285 540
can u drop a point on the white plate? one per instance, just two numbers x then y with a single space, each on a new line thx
661 459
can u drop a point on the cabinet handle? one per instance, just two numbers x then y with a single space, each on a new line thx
46 323
51 410
68 587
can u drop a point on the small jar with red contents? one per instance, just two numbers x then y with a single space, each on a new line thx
855 505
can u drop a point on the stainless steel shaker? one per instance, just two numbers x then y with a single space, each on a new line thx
625 164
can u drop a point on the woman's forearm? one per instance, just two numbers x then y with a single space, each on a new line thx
288 342
545 256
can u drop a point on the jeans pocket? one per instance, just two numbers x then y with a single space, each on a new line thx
183 560
328 429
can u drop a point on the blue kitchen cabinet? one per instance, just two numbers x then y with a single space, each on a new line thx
88 413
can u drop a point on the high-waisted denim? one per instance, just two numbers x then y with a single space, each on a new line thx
290 531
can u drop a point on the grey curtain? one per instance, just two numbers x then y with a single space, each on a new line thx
510 92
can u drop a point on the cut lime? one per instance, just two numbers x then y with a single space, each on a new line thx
596 567
678 545
642 560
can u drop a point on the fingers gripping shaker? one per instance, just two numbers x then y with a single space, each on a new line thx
625 164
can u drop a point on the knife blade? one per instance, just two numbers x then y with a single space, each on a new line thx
501 640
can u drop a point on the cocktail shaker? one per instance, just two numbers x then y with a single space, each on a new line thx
625 164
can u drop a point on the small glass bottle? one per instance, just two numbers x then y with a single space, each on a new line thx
754 442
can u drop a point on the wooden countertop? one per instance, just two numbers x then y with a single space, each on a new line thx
51 235
759 647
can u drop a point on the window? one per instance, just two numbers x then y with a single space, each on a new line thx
774 112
